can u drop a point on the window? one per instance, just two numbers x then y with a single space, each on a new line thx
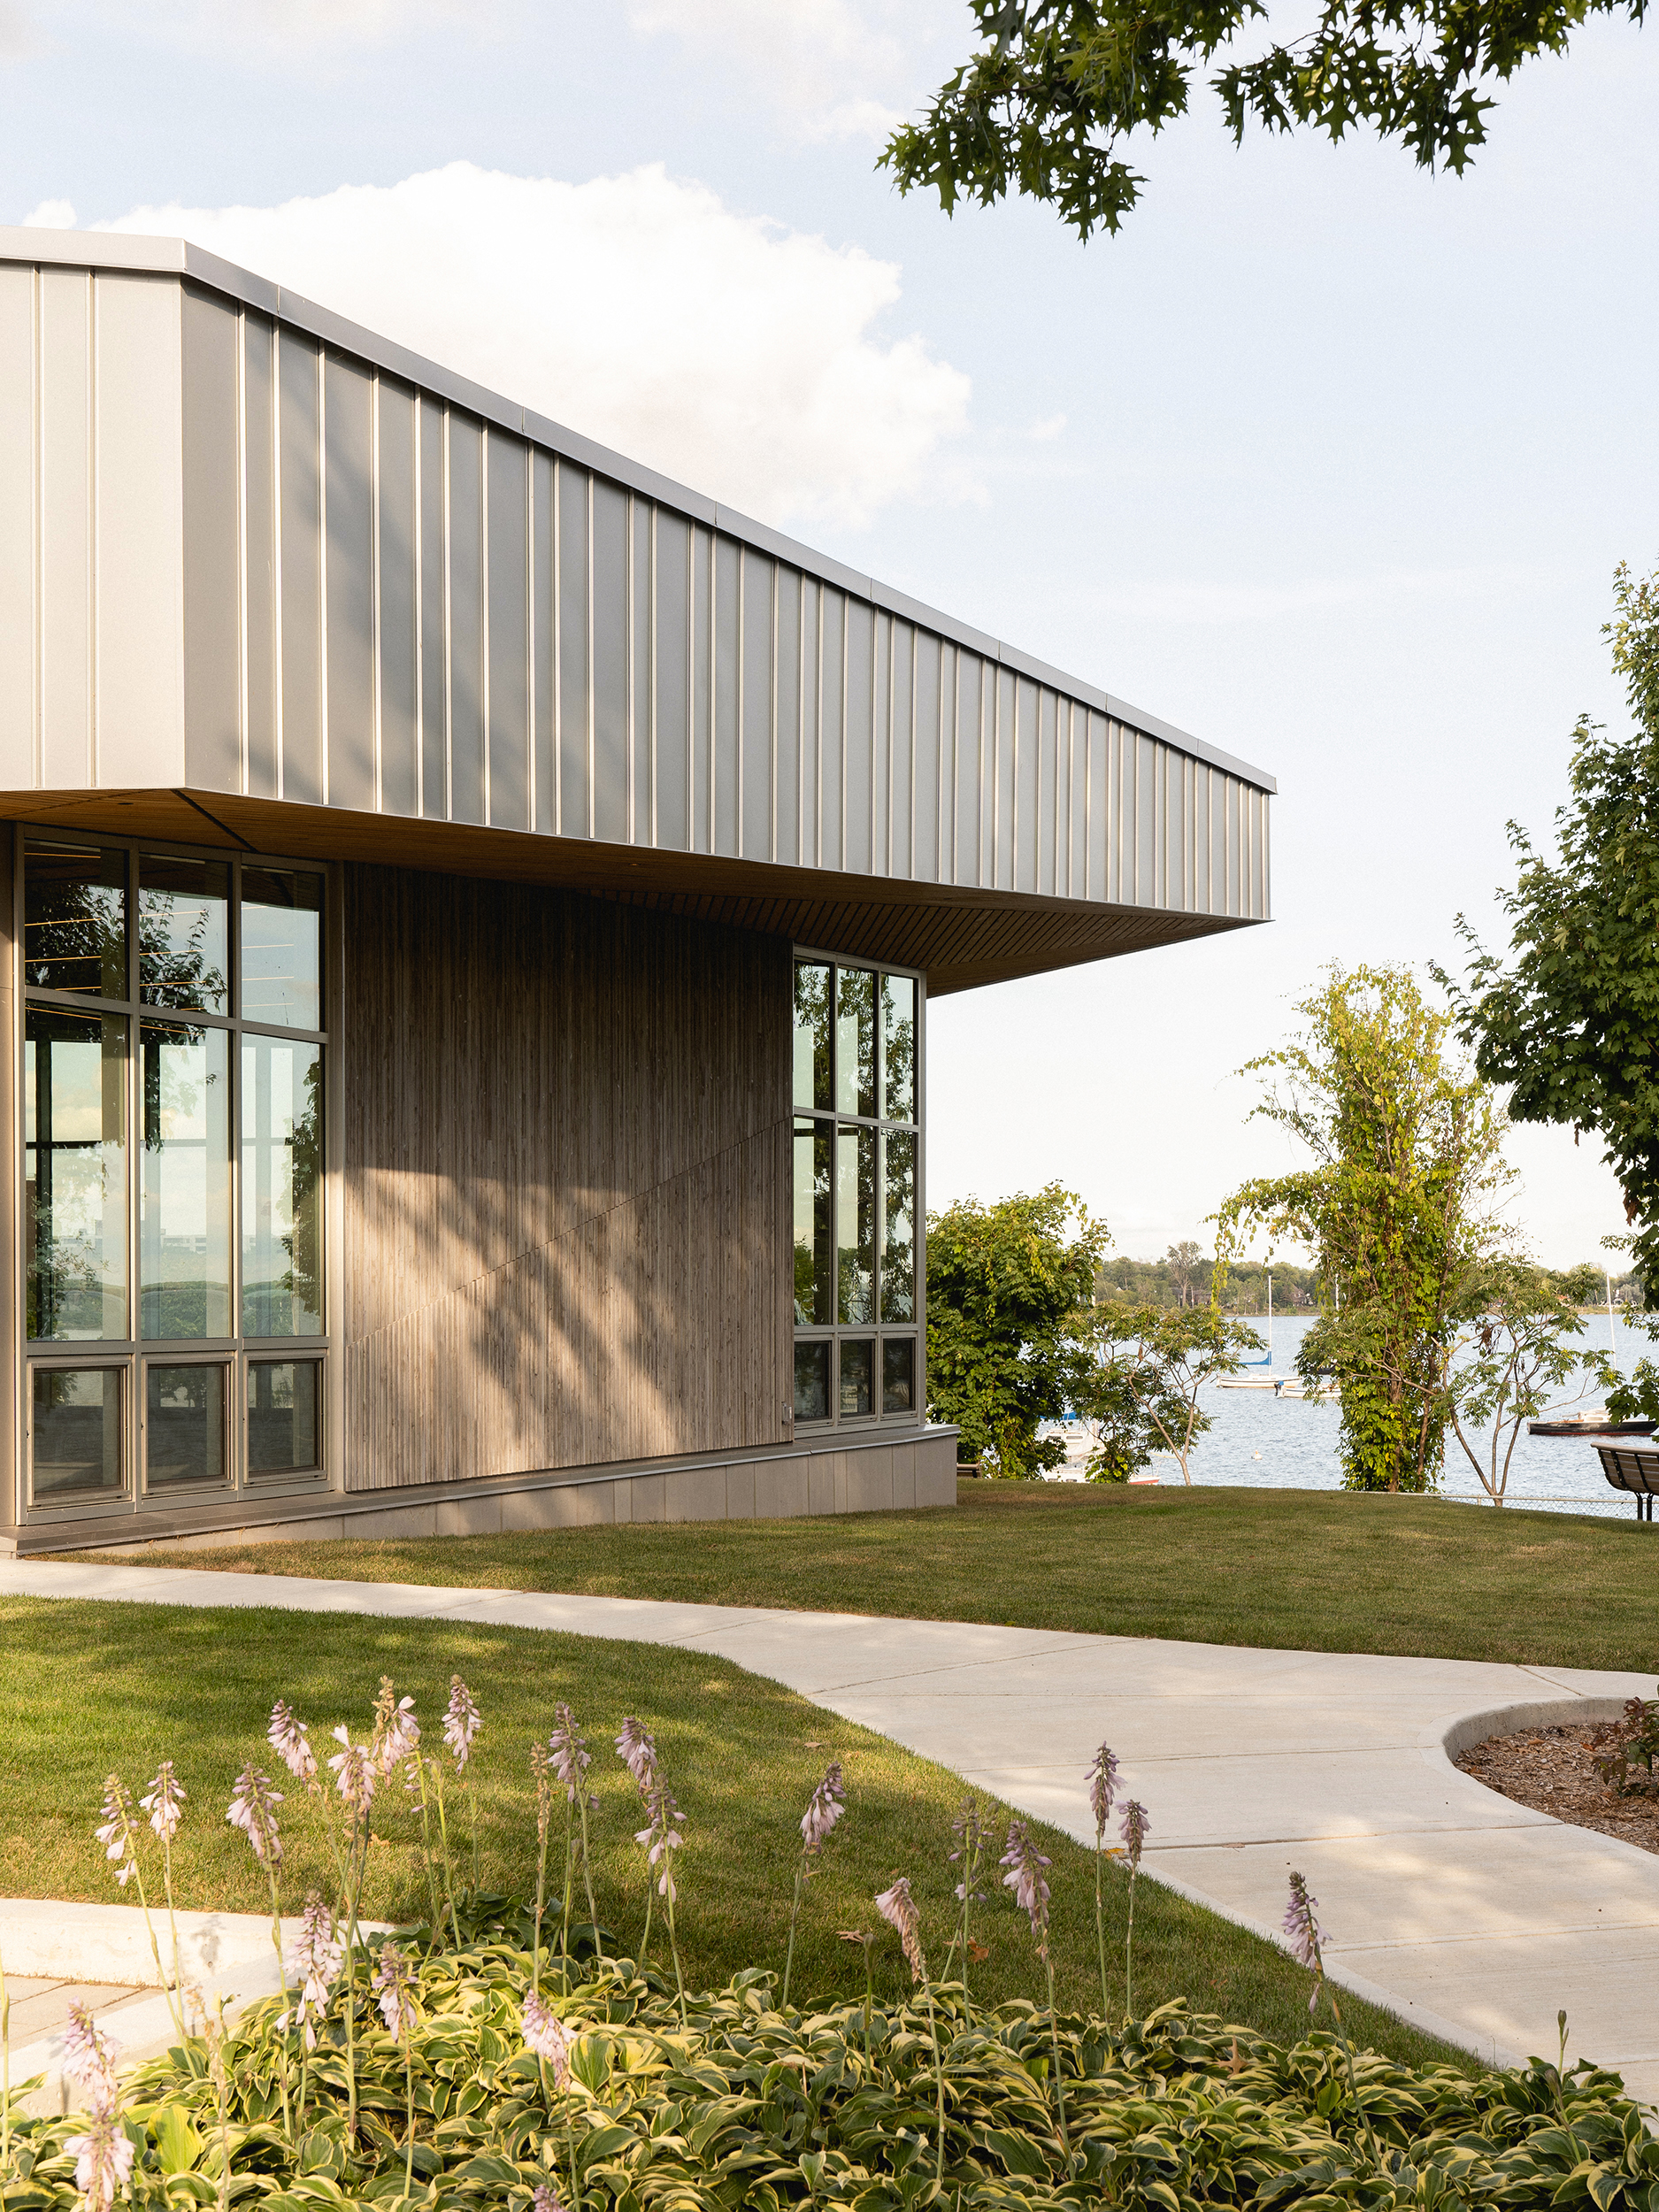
857 1155
173 1056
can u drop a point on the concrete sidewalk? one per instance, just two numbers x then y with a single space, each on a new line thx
1474 1917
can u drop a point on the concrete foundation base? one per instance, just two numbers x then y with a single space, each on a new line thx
881 1474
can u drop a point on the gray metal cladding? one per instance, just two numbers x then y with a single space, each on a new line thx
237 556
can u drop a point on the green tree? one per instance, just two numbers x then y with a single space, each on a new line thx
1143 1393
1570 1024
1515 1350
1008 1292
1397 1203
1042 105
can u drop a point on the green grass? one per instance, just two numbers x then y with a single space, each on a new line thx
89 1687
1307 1570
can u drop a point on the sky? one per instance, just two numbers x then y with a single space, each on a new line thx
1326 460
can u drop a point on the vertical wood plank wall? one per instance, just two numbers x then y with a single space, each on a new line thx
565 1181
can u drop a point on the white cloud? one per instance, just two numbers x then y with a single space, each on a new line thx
51 215
740 357
261 30
835 68
1045 429
1184 600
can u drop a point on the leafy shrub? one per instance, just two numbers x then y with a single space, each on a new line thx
750 2106
1633 1742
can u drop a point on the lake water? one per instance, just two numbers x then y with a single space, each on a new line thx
1278 1443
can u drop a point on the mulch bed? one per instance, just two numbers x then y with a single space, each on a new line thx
1550 1770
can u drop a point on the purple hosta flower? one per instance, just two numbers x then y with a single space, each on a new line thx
829 1802
545 2198
253 1811
397 1999
104 2161
897 1907
396 1731
544 2036
288 1736
89 2059
1103 1789
969 1831
353 1770
461 1722
569 1754
1024 1863
636 1748
118 1835
1301 1931
317 1963
1134 1829
165 1804
661 1835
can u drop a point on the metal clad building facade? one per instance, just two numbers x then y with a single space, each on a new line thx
307 577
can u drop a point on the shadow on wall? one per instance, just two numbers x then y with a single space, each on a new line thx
565 1159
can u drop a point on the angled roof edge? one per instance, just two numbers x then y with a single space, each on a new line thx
177 256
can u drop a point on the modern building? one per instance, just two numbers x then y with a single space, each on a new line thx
470 907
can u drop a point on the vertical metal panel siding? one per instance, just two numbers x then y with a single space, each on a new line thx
396 670
348 569
466 587
378 601
261 677
299 525
17 527
212 542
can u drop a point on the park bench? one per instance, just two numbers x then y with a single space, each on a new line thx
1632 1469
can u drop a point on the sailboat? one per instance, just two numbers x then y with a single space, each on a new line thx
1269 1381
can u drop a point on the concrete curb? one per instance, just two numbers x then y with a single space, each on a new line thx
227 1954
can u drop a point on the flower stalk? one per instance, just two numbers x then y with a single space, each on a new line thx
1133 1831
1306 1940
969 1829
568 1748
898 1909
1025 1865
1103 1791
828 1803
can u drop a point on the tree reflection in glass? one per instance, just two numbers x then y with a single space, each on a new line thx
898 1225
74 1195
811 1035
281 1188
184 1182
74 919
898 1048
183 938
856 1042
814 1272
854 1224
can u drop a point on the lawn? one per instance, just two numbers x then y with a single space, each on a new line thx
1310 1571
91 1687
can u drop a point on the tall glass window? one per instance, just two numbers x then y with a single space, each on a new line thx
173 1063
74 1174
858 1165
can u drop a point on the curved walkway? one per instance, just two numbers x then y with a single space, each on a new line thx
1474 1917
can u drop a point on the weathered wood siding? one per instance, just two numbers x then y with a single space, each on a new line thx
565 1162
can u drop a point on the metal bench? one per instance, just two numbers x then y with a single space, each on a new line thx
1637 1472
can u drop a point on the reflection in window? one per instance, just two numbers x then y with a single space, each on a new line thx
284 1434
858 1366
184 1426
74 919
855 1041
281 1188
184 1182
282 947
898 1374
854 1224
898 1225
814 1271
183 955
74 1433
898 1048
812 1034
812 1380
74 1173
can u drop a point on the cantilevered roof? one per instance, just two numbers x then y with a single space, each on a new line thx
270 581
